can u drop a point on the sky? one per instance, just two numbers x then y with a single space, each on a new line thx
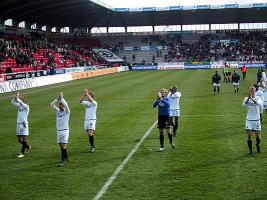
165 3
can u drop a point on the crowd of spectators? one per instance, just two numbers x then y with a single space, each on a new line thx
229 46
37 50
42 50
233 46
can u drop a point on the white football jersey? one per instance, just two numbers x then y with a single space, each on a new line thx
174 100
263 77
23 110
253 108
260 94
62 122
91 108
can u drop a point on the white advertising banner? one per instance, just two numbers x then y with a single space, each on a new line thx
218 64
108 55
123 68
21 84
170 66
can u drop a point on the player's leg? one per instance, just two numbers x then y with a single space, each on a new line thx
62 140
64 154
258 141
234 87
63 147
168 130
237 88
244 76
161 126
175 127
249 142
90 133
172 124
22 151
25 143
218 89
161 139
214 90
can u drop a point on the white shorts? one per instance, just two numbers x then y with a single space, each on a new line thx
253 125
235 84
174 113
216 84
63 136
90 124
22 129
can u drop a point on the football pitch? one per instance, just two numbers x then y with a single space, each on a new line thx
210 160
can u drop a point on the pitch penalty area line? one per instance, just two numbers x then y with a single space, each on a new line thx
124 162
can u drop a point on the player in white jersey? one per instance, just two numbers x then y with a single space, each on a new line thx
263 87
259 93
174 97
90 116
62 124
253 123
22 130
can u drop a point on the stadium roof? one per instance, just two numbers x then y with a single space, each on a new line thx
85 13
182 4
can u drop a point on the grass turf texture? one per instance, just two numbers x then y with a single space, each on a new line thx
209 162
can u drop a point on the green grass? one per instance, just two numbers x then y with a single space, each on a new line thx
210 161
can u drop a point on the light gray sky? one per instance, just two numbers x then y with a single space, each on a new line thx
165 3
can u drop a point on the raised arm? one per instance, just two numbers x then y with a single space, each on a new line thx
82 98
22 103
14 102
66 106
84 94
246 99
155 104
53 105
175 95
257 101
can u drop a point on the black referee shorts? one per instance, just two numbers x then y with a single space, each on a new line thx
164 121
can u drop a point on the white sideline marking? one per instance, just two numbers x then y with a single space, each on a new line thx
197 115
121 166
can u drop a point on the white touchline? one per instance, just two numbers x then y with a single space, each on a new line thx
204 115
124 162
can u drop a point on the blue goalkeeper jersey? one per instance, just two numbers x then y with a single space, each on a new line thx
163 106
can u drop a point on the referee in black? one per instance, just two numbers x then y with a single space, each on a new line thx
236 81
216 80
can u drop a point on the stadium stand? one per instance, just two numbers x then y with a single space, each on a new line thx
36 52
195 47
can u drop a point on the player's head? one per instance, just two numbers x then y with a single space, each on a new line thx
23 98
234 71
92 94
61 106
163 92
216 72
174 88
252 91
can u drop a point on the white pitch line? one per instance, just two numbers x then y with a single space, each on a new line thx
121 166
197 115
